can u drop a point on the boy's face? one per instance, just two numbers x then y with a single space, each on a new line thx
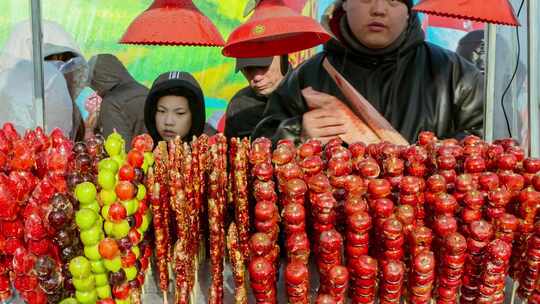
376 23
173 117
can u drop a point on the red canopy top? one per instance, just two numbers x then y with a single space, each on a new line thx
172 22
274 29
451 23
489 11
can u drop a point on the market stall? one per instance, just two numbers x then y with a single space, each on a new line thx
217 220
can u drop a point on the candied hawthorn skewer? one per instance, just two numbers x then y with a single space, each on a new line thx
236 257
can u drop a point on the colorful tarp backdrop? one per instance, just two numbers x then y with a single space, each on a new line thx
97 25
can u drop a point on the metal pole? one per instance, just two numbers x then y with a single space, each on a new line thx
534 77
39 93
489 91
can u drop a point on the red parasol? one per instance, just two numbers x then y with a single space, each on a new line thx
172 22
296 5
489 11
274 29
452 23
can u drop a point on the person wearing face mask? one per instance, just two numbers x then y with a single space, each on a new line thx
379 47
174 107
245 109
60 53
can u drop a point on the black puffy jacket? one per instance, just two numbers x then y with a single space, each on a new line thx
417 86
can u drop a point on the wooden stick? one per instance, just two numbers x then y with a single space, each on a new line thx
364 109
514 292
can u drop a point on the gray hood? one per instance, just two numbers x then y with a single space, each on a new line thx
107 72
18 46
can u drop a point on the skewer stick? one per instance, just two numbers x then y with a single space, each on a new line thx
515 285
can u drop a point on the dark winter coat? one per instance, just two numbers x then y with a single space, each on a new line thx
417 86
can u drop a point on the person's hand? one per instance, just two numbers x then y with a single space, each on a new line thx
322 124
330 117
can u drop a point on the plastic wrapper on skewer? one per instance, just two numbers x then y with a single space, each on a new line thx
297 282
359 225
527 211
329 255
422 278
420 240
338 283
240 189
339 168
266 210
435 185
531 273
412 193
495 269
260 245
393 239
325 299
216 208
311 147
262 274
392 278
322 203
452 261
474 204
236 257
363 272
481 233
159 203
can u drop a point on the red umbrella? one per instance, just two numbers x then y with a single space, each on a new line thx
274 29
489 11
172 22
296 5
452 23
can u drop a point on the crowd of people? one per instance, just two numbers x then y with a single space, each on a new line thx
378 46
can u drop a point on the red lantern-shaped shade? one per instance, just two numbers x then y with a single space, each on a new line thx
274 29
489 11
172 22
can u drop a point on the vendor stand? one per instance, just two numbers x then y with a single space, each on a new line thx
198 183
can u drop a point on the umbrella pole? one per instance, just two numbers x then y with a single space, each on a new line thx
489 108
534 77
37 55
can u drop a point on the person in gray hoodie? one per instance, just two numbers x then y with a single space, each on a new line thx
62 87
123 98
